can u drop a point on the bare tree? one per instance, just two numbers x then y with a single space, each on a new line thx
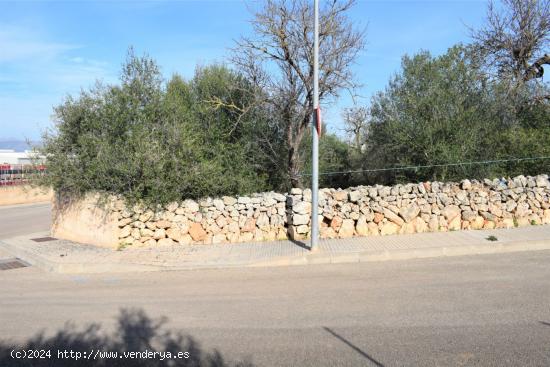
515 39
355 124
279 60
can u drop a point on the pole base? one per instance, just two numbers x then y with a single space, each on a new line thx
314 250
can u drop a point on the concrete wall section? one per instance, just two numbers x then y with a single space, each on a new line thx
12 195
85 220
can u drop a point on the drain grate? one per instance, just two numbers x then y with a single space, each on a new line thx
43 239
10 264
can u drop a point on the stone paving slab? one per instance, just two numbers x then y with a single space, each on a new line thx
69 257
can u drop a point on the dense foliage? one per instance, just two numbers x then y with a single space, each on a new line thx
146 139
247 129
162 141
445 109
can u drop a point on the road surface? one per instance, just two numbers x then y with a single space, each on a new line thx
490 310
18 220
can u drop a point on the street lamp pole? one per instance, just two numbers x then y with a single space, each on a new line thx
315 132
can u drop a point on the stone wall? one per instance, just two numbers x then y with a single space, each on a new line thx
260 217
423 207
357 211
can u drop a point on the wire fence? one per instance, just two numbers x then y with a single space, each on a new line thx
19 174
407 168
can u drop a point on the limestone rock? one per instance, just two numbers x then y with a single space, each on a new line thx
135 233
340 195
303 207
466 185
165 242
541 181
219 238
295 191
354 196
450 212
389 228
229 200
125 232
124 222
347 229
246 237
299 219
151 242
147 215
176 234
454 224
191 206
468 215
196 232
159 234
249 225
378 217
391 216
163 224
219 204
409 213
171 207
278 197
361 227
336 223
477 223
373 229
433 224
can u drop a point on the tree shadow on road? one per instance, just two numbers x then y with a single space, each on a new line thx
136 332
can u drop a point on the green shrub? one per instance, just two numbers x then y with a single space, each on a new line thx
154 141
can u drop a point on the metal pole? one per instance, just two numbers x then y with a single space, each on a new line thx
315 130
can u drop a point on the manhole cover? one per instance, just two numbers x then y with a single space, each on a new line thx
43 239
10 264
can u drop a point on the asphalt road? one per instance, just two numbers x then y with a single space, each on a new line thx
17 220
491 310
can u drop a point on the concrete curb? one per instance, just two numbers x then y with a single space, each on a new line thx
408 254
308 259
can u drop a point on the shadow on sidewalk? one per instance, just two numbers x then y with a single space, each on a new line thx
301 244
136 332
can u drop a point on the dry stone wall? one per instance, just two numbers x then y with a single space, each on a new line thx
423 207
260 217
357 211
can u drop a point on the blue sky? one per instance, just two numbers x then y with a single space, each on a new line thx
49 49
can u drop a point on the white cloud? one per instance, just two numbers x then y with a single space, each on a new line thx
36 73
18 44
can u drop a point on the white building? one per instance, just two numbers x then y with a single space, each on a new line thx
10 156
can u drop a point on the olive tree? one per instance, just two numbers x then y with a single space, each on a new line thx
515 40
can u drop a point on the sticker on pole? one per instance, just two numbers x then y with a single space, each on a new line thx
318 120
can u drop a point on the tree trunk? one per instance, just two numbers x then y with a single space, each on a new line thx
294 168
536 70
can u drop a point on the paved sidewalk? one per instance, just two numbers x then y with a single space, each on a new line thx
69 257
